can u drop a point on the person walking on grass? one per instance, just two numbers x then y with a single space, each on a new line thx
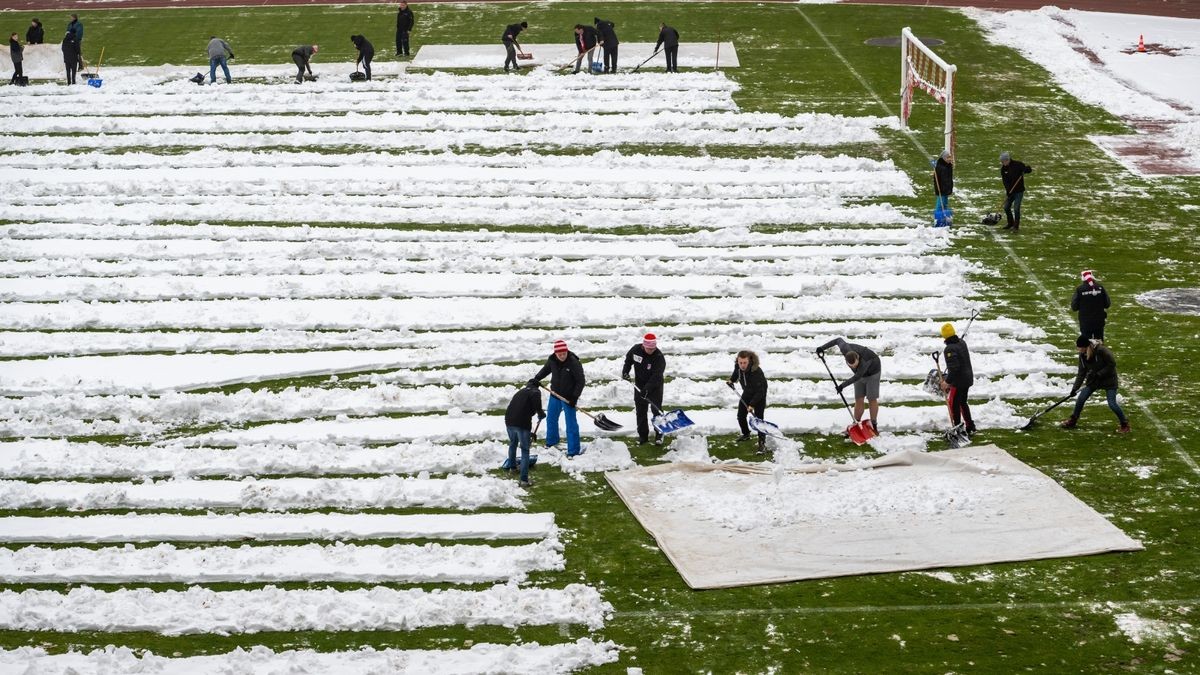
70 51
511 45
366 52
219 53
404 25
1097 370
35 34
566 380
943 186
668 39
586 38
867 370
518 419
749 374
1012 175
302 57
1092 303
958 379
16 51
608 42
648 364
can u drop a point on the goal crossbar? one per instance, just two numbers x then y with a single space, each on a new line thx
922 69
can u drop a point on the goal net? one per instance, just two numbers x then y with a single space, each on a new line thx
921 69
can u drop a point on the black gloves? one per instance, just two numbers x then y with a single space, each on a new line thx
820 351
841 386
730 385
625 376
541 416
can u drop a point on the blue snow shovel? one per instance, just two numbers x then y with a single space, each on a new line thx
758 424
532 458
665 423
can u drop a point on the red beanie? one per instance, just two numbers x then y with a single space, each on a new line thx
1087 277
650 341
560 346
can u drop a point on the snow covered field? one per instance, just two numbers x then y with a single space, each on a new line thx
413 267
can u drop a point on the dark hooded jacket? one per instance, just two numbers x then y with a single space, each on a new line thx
943 181
70 49
754 385
668 36
1092 303
1013 176
566 377
523 406
586 39
608 32
1099 371
35 34
405 20
959 373
511 32
868 361
15 51
647 369
364 46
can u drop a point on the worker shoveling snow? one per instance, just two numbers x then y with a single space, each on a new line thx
726 525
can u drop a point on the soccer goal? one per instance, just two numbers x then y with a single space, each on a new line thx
921 69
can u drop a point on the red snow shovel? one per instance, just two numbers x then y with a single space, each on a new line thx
859 432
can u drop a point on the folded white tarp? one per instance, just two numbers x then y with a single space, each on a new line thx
691 55
739 524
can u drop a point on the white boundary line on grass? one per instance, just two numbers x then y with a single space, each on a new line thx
1029 274
880 609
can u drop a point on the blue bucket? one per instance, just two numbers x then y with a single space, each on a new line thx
95 82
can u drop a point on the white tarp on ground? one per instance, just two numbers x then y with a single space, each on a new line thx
691 55
741 524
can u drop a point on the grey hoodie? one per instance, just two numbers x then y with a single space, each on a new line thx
218 48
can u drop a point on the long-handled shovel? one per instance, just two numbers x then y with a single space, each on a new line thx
758 424
956 435
859 431
639 66
1034 419
601 421
665 423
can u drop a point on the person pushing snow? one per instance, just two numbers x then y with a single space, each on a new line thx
566 380
518 421
1092 303
867 370
959 378
943 186
1097 370
1012 175
648 365
746 371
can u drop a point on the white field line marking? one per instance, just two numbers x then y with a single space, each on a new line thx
990 607
274 527
1048 302
199 610
338 562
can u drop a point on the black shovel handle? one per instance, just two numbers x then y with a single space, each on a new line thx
639 66
656 409
1052 407
835 384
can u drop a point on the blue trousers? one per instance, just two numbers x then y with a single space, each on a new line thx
215 61
1112 402
554 408
519 436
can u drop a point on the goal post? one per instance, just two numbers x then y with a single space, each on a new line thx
921 69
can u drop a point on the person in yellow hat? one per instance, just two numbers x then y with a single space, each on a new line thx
958 378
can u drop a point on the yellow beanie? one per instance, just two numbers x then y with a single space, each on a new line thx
947 330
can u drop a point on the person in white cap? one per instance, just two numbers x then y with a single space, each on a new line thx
566 380
1012 174
302 56
1092 303
648 365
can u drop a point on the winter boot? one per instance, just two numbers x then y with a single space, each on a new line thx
743 438
657 438
1124 428
1016 225
762 446
1069 423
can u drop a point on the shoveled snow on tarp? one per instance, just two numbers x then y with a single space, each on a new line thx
730 525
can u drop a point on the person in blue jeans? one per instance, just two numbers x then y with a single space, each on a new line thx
566 380
518 418
1097 370
219 54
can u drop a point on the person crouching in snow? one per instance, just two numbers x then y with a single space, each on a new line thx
648 365
958 380
518 418
366 52
1092 303
746 372
867 371
1097 370
566 380
302 56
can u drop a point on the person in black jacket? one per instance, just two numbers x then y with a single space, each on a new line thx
608 41
1012 174
76 27
867 372
15 50
509 38
1092 303
35 34
943 186
366 52
70 52
958 379
1097 370
586 38
404 25
748 373
301 56
670 38
566 380
648 365
518 418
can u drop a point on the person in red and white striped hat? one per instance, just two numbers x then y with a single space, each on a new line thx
1092 303
648 364
566 380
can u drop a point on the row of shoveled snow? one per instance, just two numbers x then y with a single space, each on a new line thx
519 659
529 658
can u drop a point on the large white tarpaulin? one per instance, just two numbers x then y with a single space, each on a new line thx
726 525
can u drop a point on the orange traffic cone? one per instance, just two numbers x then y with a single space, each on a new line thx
1141 45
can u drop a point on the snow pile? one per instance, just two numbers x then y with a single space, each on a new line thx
599 455
787 453
199 610
688 447
531 658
